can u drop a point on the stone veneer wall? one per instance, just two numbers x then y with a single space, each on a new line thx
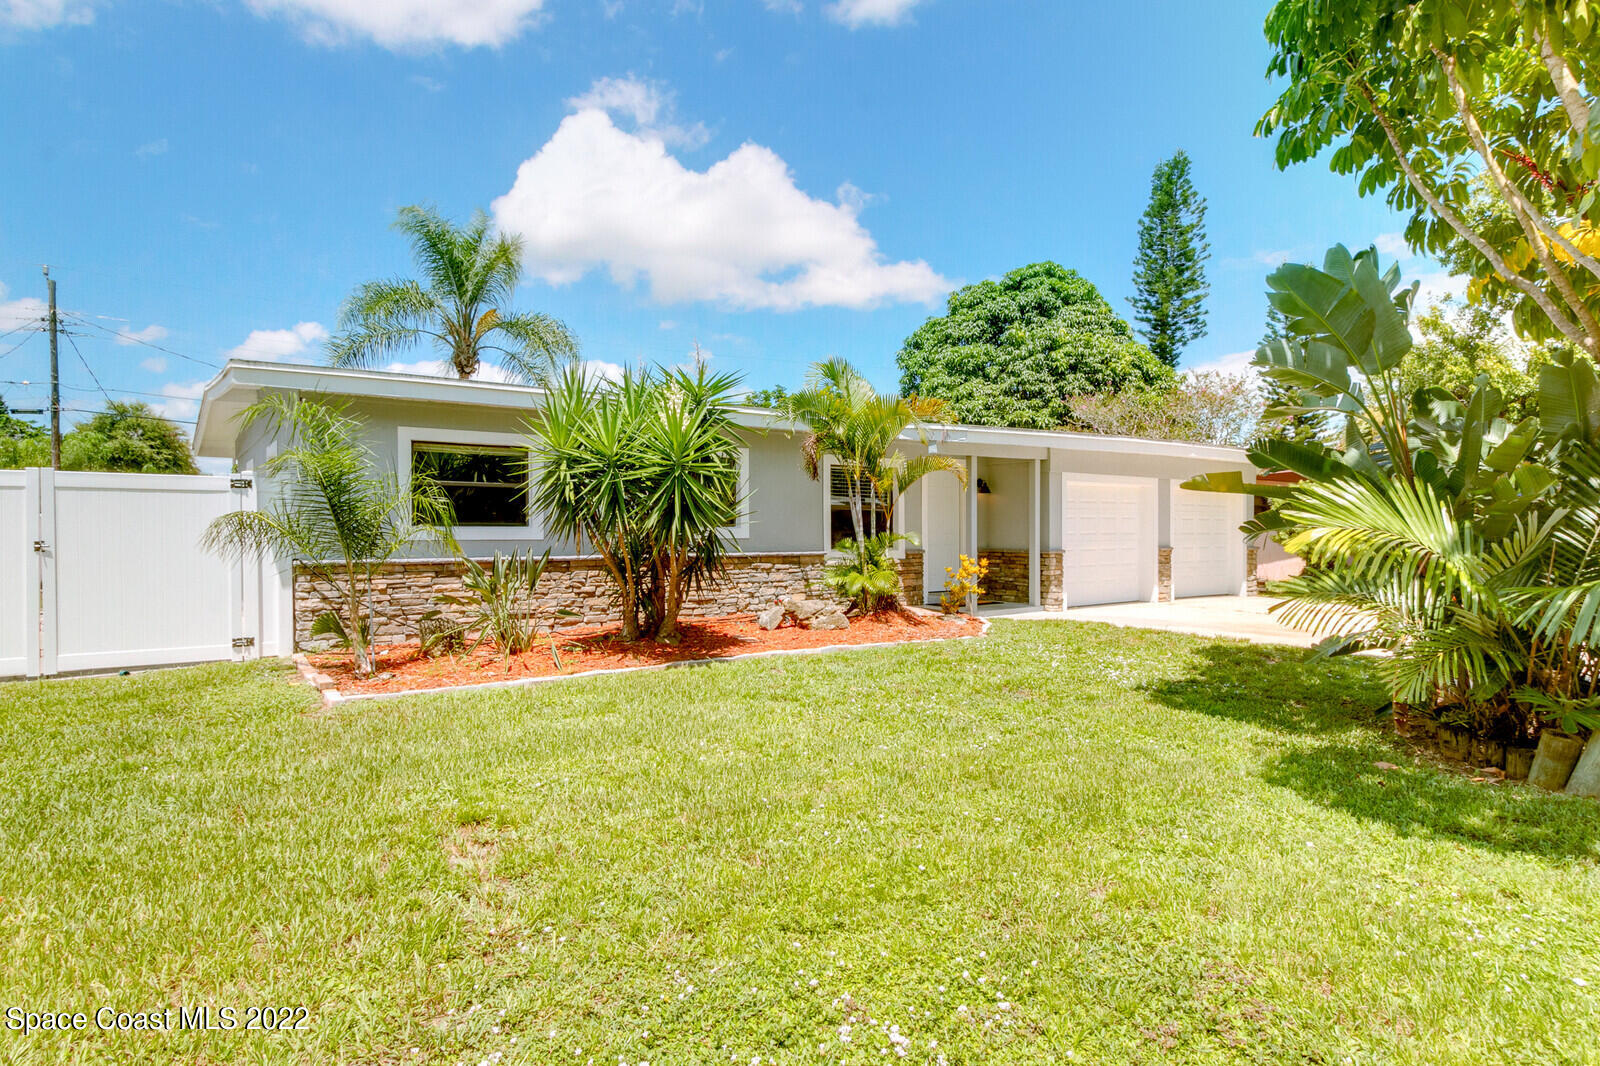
1163 575
1052 581
1008 576
1252 572
405 590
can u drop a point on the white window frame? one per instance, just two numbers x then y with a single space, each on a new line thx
410 435
897 526
740 530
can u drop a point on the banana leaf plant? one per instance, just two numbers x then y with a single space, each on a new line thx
1462 543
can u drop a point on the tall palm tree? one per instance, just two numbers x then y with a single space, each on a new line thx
851 422
469 276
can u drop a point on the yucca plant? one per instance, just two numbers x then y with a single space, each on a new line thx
1462 544
644 470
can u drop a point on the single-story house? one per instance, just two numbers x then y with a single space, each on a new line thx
1064 519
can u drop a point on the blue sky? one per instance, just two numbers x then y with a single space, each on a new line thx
777 180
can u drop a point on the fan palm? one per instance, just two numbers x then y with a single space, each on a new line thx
470 274
849 421
331 513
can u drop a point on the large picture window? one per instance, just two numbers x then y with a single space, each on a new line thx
487 485
874 515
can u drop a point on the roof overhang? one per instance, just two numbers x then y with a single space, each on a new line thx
242 382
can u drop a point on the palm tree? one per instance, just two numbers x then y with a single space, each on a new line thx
332 514
851 422
470 274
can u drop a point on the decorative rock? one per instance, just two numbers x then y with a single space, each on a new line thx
832 618
772 617
805 609
1585 779
1553 762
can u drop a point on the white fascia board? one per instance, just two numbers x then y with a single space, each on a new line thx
241 380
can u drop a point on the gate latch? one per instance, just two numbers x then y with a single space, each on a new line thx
239 483
40 546
244 642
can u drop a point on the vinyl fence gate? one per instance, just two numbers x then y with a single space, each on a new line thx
103 571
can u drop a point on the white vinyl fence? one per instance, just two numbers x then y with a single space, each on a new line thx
105 571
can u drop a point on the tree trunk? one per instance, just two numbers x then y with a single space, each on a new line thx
352 624
668 632
1565 325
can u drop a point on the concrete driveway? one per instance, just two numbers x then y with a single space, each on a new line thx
1239 617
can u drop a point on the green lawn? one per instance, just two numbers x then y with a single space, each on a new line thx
1064 843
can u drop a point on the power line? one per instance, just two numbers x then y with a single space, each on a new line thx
146 418
86 366
19 344
130 338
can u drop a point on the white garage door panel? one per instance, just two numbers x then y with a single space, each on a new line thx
1105 533
1207 547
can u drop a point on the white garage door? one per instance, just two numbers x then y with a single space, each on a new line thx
1207 548
1108 546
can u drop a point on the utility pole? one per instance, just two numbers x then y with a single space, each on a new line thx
55 380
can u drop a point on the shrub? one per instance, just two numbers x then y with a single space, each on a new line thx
868 576
965 582
500 597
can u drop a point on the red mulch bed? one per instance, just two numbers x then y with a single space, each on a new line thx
585 650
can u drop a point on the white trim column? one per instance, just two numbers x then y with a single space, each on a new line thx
972 521
1034 599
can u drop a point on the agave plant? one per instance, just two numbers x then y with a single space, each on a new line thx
1461 543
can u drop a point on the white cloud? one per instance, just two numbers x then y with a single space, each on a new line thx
150 149
648 105
422 81
149 335
739 233
19 312
1234 364
286 345
1393 245
783 7
438 368
858 13
597 370
406 24
153 365
45 14
1437 286
182 400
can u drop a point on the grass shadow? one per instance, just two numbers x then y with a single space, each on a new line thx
1278 690
1274 688
1426 802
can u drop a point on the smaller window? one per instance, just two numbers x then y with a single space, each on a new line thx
487 486
841 526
